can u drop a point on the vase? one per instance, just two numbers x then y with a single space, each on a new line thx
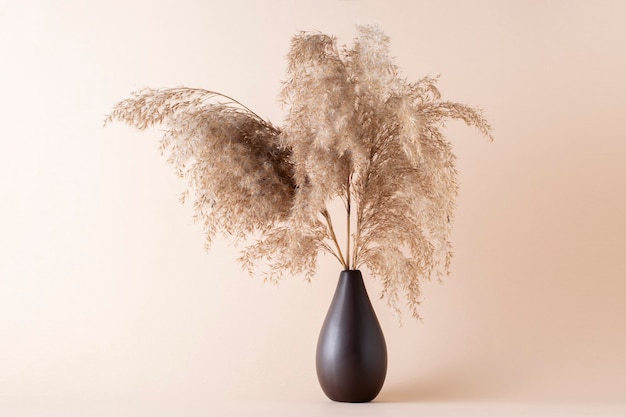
351 358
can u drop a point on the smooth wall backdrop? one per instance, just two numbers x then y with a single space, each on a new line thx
110 306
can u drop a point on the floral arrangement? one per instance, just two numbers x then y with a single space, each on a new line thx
355 131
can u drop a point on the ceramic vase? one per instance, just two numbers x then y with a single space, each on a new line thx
351 358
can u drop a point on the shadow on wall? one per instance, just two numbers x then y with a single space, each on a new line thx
445 386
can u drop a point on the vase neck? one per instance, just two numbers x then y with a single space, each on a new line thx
351 273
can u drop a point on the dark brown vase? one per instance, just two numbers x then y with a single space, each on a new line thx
351 357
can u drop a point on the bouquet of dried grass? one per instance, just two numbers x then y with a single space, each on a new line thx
355 130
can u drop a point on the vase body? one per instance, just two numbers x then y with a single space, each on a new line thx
351 358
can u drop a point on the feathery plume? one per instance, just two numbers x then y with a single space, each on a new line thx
355 130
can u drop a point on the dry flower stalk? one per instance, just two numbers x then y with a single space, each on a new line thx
355 130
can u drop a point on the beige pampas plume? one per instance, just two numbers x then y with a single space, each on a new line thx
355 130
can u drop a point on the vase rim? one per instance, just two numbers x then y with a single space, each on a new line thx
351 272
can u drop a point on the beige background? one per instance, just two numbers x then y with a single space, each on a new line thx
110 306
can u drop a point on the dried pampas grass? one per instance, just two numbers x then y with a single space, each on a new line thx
355 130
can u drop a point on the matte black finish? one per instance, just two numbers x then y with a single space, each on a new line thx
351 357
